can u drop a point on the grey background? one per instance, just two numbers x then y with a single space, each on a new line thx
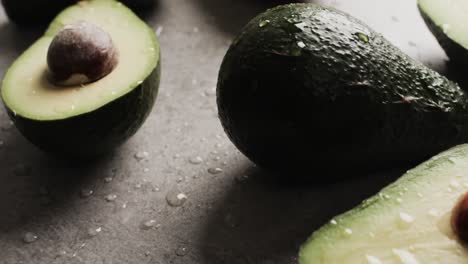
240 215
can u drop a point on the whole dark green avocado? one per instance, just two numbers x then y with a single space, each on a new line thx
311 90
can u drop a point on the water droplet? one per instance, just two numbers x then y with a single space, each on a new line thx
454 184
8 125
263 23
301 44
92 232
181 251
85 193
159 30
433 212
111 197
446 28
215 170
175 198
141 155
30 237
405 256
399 200
333 222
210 92
362 37
241 178
149 224
301 25
108 179
196 160
348 231
405 220
373 260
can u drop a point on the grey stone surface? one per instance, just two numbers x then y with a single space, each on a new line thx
238 215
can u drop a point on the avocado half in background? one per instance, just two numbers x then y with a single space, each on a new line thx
313 93
34 12
448 21
419 219
91 118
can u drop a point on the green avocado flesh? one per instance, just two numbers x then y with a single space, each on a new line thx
407 222
93 117
305 88
448 20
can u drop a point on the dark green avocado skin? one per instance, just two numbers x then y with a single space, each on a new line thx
34 12
41 12
348 101
95 133
455 51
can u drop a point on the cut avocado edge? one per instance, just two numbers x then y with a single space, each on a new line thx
448 23
438 172
69 15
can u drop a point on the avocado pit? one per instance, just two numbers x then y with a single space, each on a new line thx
459 219
81 53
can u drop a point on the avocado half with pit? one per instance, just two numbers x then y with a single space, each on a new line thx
420 218
85 119
448 21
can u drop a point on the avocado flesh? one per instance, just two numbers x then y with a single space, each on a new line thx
407 221
306 88
90 119
448 21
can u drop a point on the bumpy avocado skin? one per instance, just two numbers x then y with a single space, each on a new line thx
95 133
455 51
34 12
311 90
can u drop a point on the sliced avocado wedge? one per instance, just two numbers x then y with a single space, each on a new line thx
92 118
407 222
448 21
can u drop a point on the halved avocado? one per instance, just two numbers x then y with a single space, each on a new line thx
88 119
407 222
448 21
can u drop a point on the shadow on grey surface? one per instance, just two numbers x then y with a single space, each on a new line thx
457 73
263 221
14 40
35 187
232 15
